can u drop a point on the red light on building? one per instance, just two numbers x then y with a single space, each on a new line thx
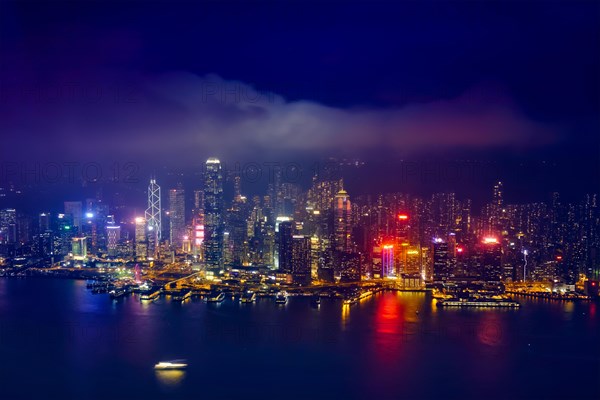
558 258
403 217
459 249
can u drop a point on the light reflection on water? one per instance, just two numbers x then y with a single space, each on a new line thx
389 343
170 378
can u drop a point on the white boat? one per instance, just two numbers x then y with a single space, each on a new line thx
281 297
174 364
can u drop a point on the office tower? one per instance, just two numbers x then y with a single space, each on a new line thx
274 189
93 223
238 230
44 244
74 209
177 229
237 188
8 226
491 262
154 217
494 213
285 239
342 221
198 201
65 232
442 270
464 222
348 266
301 260
227 249
213 215
44 222
387 261
290 195
198 224
376 266
79 248
461 261
154 210
412 264
323 192
113 235
402 228
443 209
141 245
198 233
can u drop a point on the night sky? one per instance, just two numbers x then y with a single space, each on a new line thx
176 82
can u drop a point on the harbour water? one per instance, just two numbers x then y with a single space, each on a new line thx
58 340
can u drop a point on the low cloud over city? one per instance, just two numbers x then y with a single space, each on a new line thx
184 114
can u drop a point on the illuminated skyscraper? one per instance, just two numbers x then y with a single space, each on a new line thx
491 260
113 235
387 260
322 193
153 215
79 248
177 216
141 246
342 221
442 268
44 222
301 260
213 214
402 227
285 238
8 226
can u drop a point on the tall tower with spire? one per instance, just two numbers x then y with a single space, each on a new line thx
153 214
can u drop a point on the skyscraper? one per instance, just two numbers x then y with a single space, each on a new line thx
74 209
387 260
213 214
177 216
285 238
44 222
153 216
342 221
442 269
8 226
113 235
141 246
153 212
491 260
79 248
301 259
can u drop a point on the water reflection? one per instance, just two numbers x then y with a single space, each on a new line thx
389 321
170 378
345 315
489 330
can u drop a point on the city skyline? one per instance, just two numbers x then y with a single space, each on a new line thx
433 239
300 200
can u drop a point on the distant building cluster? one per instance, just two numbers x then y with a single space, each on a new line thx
321 234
